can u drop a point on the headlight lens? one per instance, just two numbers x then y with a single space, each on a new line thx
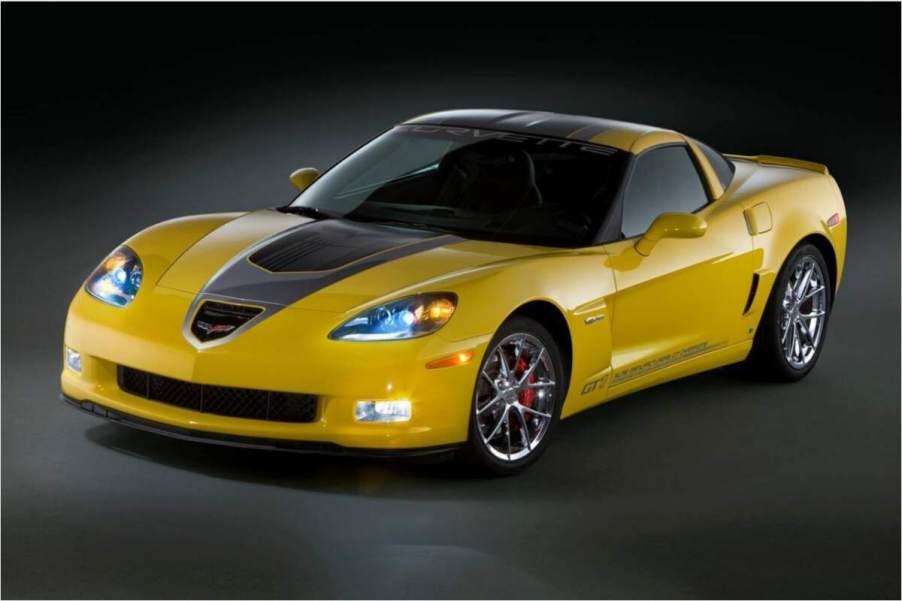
409 317
117 279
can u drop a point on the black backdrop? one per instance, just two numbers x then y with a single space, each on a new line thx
118 116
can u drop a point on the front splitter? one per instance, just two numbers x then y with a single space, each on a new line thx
251 442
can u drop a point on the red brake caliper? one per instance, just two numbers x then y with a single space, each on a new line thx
527 395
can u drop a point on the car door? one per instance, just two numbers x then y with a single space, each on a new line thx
687 296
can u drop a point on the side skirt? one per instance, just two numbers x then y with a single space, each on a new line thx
718 357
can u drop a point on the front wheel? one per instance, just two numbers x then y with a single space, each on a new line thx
794 325
517 398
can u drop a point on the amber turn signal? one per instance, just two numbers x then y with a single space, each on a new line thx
460 358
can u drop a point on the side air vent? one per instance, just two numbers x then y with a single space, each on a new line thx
216 320
752 292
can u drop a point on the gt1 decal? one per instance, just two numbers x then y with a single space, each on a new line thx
490 134
594 385
663 361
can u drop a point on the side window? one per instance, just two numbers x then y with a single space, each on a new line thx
663 181
722 167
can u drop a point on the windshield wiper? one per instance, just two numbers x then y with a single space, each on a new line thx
400 222
305 211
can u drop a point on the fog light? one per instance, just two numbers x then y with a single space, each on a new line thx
73 360
382 411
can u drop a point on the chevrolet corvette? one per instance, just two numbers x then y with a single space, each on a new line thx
458 285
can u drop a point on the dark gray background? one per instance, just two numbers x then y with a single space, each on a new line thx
116 117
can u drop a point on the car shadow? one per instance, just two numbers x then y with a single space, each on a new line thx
606 440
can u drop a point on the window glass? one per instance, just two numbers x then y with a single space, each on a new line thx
663 181
722 167
481 184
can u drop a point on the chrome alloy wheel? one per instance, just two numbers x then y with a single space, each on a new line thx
515 397
804 312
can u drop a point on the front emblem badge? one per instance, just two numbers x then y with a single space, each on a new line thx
211 329
215 319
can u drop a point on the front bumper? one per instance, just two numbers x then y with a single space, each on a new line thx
250 442
289 352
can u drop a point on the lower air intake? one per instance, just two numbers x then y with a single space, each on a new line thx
220 400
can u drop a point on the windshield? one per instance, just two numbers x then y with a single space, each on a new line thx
480 184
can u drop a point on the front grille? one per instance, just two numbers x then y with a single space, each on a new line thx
220 400
217 320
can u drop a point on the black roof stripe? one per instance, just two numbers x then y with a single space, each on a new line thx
554 125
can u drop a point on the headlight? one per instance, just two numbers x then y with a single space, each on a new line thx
116 281
406 318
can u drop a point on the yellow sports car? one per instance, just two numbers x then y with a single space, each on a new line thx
460 283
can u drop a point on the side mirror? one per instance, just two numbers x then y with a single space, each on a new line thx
302 178
671 225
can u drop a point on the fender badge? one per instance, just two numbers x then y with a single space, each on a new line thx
593 319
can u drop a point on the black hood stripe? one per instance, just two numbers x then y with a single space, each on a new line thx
245 281
339 250
324 252
330 244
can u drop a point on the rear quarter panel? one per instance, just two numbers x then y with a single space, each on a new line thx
800 203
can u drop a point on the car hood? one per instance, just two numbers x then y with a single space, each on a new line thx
278 259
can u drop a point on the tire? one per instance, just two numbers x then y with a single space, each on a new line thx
500 410
774 357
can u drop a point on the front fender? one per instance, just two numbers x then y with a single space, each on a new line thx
161 244
577 284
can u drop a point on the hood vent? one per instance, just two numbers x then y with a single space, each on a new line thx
330 244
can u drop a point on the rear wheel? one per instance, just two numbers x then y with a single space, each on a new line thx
794 325
517 398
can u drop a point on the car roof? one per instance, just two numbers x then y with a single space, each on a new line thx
632 137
